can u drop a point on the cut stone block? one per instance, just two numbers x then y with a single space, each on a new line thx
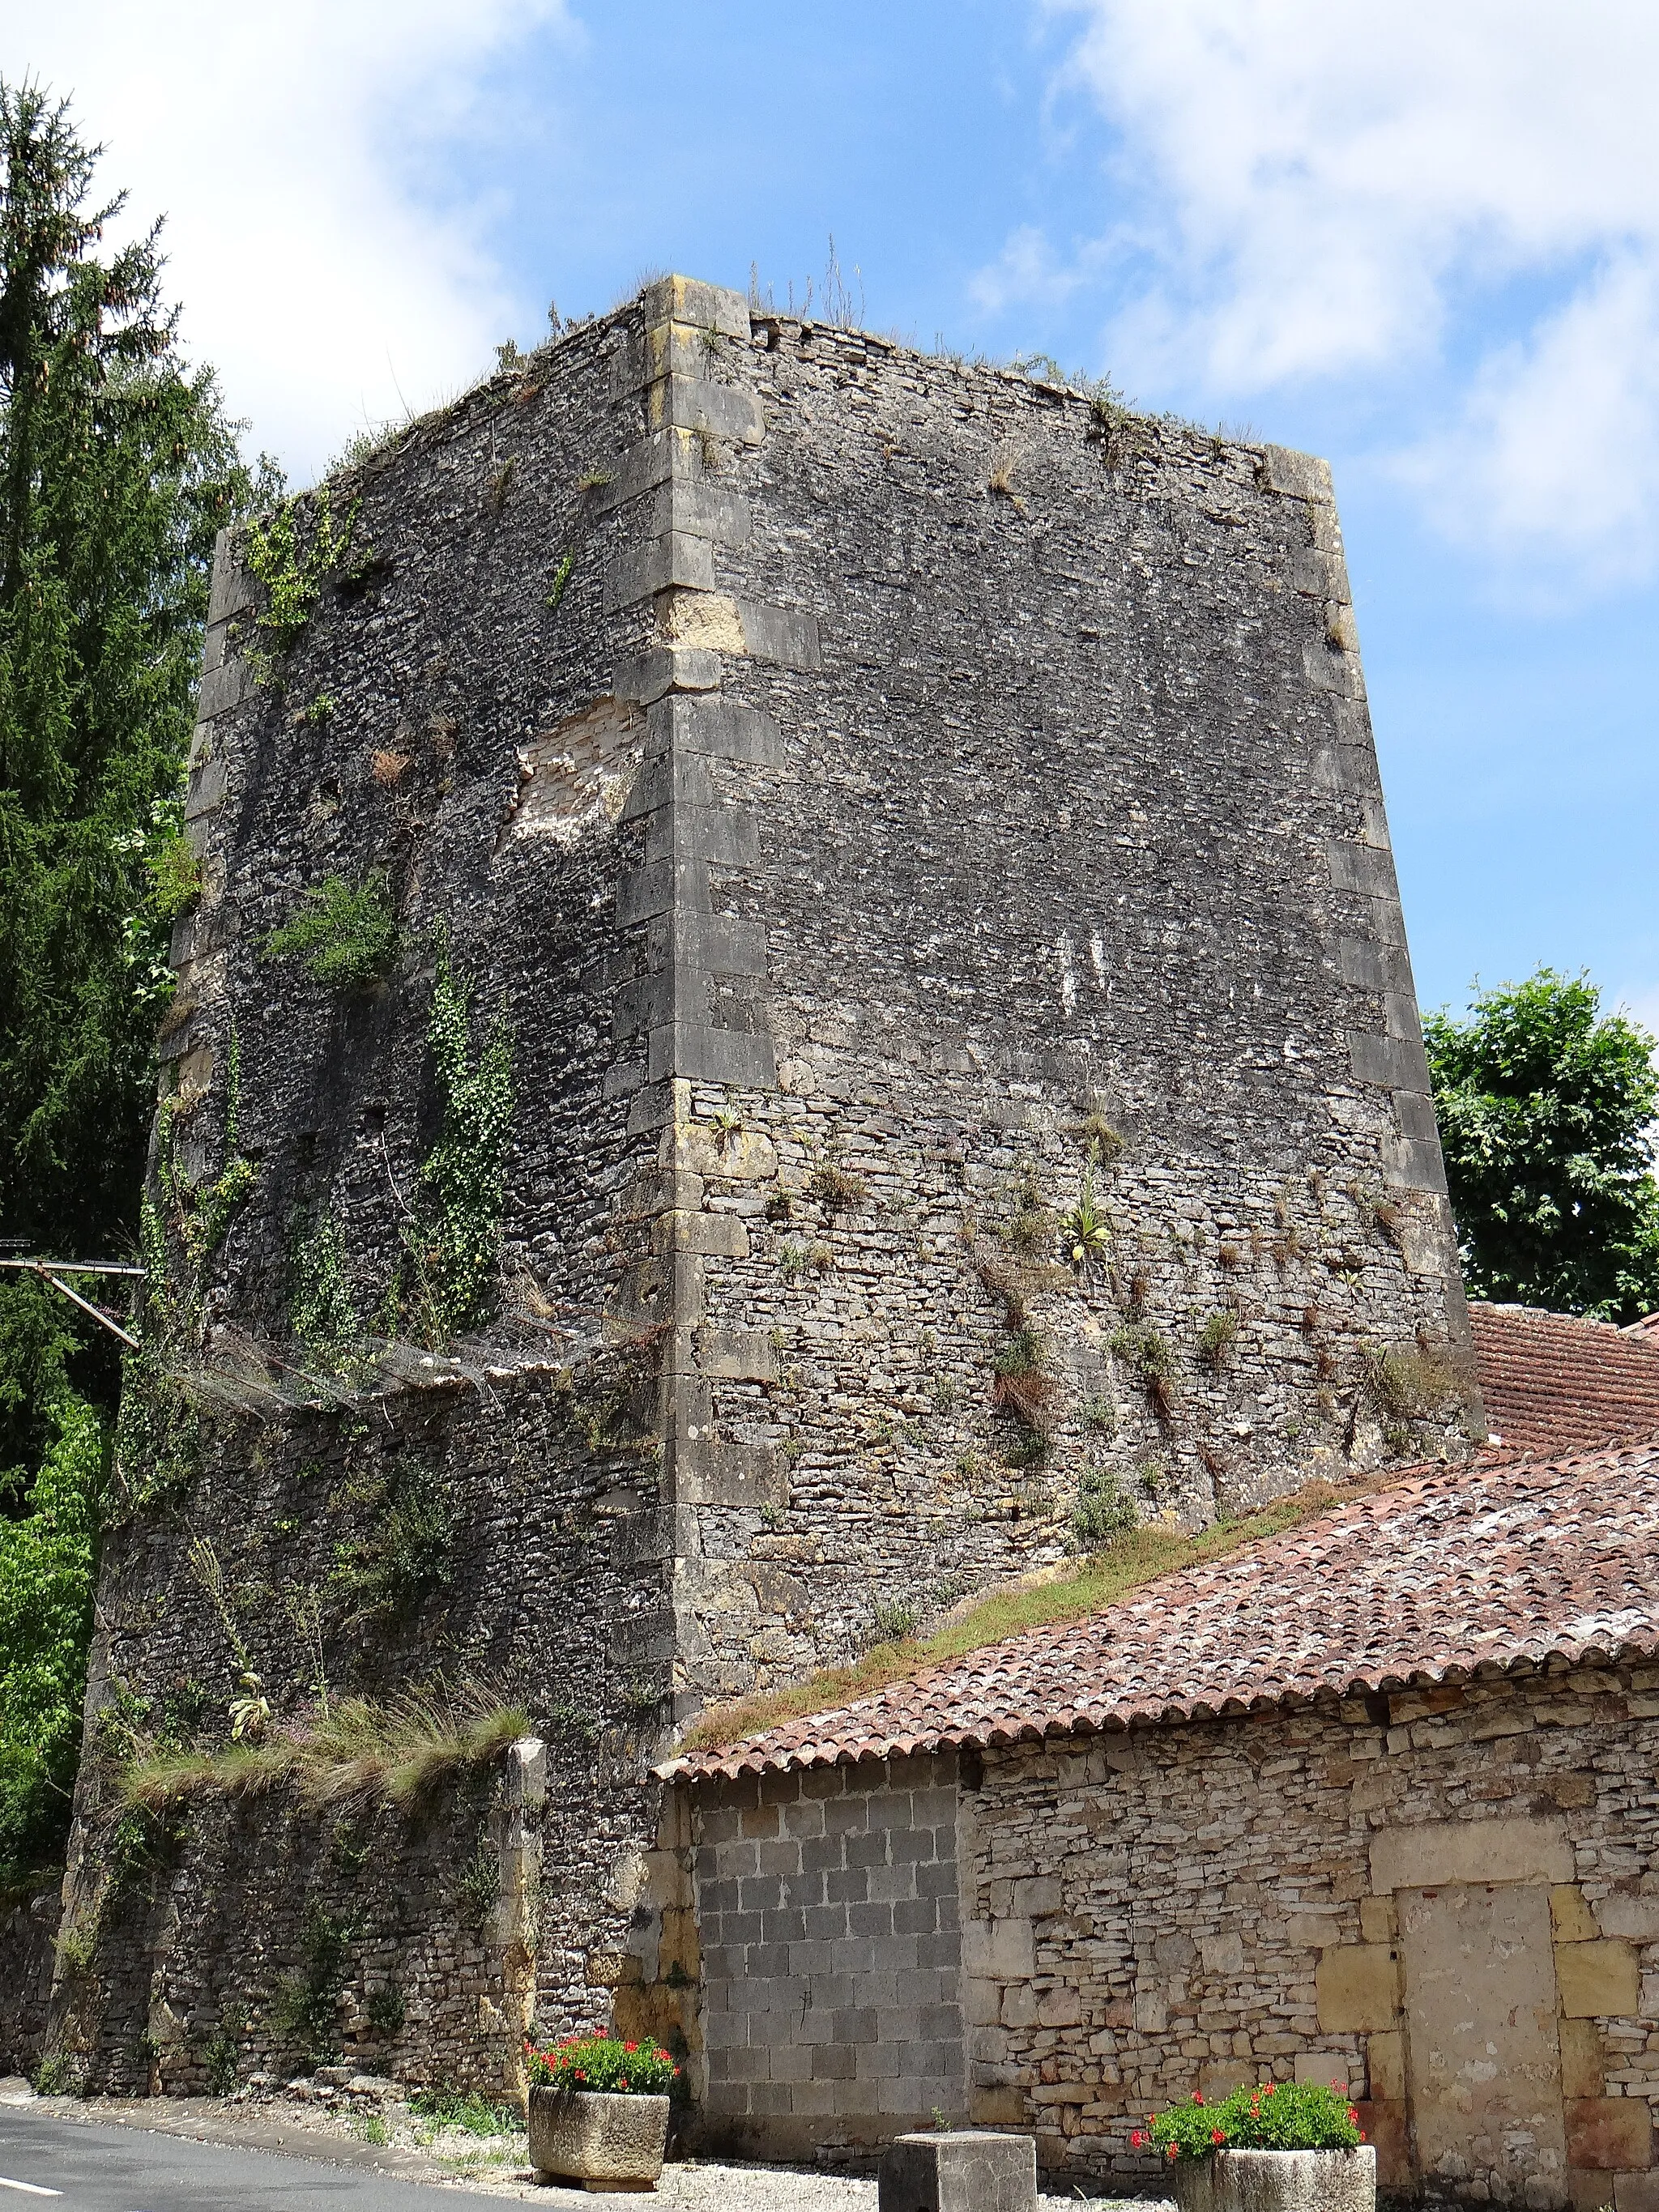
1597 1980
965 2170
603 2141
1278 2181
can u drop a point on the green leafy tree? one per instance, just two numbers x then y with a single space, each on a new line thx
117 468
1546 1106
46 1565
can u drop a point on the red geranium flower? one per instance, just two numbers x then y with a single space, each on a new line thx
1198 2096
1217 2135
1136 2140
1353 2116
1173 2153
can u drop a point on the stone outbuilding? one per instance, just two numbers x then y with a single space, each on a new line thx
1373 1801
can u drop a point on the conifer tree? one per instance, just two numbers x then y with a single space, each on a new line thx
117 467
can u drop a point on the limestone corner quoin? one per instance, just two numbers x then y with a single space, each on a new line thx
863 783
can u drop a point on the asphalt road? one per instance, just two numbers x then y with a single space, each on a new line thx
49 2161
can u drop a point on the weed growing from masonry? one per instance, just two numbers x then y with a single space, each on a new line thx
346 934
1103 1511
561 576
1218 1337
175 875
1086 1231
293 577
362 1752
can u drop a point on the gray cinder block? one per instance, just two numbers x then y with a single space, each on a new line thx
966 2170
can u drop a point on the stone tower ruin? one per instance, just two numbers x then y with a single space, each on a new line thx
914 833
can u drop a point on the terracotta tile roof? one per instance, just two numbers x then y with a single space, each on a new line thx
1648 1328
1554 1384
1482 1566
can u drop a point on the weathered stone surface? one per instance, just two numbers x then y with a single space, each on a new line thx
1359 1987
1598 1980
1518 1848
1277 2181
958 2170
1608 2133
601 2138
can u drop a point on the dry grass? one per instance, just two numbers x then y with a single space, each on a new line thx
1140 1556
359 1752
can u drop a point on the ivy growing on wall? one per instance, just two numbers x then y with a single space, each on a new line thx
455 1233
293 573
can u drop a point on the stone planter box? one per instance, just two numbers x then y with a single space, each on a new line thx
1277 2181
602 2140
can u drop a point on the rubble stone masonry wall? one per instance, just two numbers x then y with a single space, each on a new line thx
887 802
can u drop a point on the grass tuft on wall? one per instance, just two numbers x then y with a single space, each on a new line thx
1140 1556
358 1753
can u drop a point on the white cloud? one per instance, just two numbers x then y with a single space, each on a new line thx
1305 191
328 266
1553 464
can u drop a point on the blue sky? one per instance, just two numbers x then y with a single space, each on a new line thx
1422 242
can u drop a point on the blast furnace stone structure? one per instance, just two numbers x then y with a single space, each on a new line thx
915 831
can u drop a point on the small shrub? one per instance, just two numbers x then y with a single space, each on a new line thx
466 2109
1086 1231
292 578
1273 2116
386 2010
1103 1511
345 933
1410 1382
836 1189
1217 1338
1230 1255
304 2012
219 2058
780 1206
320 713
604 2064
175 877
1101 1415
479 1886
895 1620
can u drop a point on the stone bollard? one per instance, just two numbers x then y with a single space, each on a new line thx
972 2170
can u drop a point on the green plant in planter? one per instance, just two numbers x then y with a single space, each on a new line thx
602 2064
1265 2115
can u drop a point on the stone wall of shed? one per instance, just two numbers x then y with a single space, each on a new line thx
1186 1907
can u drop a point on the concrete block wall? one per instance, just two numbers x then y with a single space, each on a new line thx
827 1906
